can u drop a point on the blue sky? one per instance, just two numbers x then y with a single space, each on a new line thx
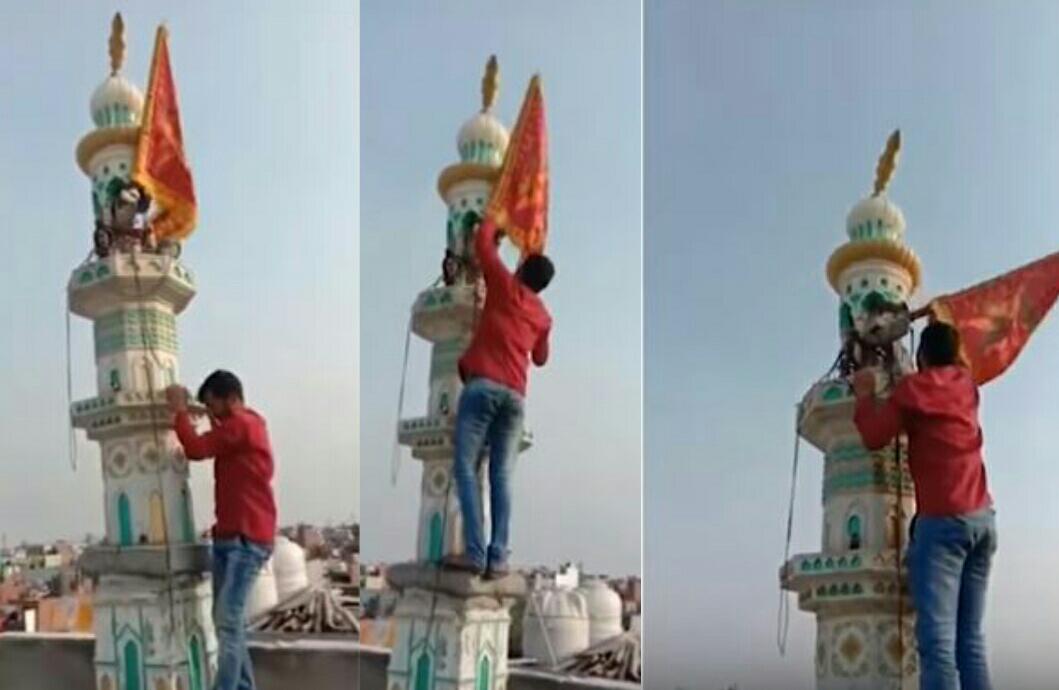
763 124
577 491
267 95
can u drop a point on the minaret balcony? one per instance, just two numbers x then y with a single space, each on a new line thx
444 313
825 414
96 287
121 413
854 582
432 436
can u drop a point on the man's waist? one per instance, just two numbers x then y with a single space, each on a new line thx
263 539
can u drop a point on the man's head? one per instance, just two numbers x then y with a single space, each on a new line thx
536 272
939 346
221 393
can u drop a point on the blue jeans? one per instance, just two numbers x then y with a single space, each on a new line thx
948 567
489 414
236 563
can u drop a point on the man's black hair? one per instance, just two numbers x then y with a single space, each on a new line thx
221 384
536 272
939 346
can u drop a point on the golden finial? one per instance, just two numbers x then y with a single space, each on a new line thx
490 83
887 162
117 44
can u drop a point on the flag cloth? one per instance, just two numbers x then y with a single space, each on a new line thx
996 318
519 204
161 167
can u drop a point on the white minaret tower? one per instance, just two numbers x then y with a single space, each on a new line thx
153 628
864 638
452 629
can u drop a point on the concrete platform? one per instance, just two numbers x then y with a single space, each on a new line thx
454 583
146 560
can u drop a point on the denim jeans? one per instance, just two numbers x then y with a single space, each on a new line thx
236 563
948 567
489 414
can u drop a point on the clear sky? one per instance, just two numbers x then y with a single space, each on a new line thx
763 125
577 491
267 96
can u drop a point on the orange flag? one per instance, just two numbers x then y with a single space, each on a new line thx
161 167
519 203
996 318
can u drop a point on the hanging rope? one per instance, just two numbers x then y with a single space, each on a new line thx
395 453
71 437
155 430
899 529
783 617
395 456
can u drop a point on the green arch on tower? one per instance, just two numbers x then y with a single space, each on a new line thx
124 520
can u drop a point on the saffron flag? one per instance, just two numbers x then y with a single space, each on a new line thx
161 167
996 318
519 204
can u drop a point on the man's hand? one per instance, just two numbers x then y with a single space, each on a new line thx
177 398
864 383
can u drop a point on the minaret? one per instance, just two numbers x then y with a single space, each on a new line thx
153 628
452 629
852 584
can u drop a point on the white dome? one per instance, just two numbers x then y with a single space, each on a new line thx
263 595
482 139
559 617
288 562
876 218
116 103
604 610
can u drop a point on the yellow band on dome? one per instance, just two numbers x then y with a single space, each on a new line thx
866 250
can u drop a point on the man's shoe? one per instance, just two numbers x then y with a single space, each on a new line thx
462 564
497 571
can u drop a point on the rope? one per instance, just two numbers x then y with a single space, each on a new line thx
395 457
899 532
783 616
71 437
395 454
155 431
898 524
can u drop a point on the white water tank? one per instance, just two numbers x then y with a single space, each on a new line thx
288 563
263 596
555 616
604 610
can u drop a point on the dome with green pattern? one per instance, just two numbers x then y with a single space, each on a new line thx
117 102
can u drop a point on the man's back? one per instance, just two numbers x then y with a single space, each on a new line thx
242 472
938 410
513 324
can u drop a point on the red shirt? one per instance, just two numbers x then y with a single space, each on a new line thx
938 410
513 324
242 473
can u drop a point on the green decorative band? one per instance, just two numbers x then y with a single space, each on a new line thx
92 273
93 404
849 453
822 564
136 329
444 360
875 479
843 589
437 298
875 229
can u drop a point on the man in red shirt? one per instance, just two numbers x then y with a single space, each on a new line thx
514 325
953 535
245 509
